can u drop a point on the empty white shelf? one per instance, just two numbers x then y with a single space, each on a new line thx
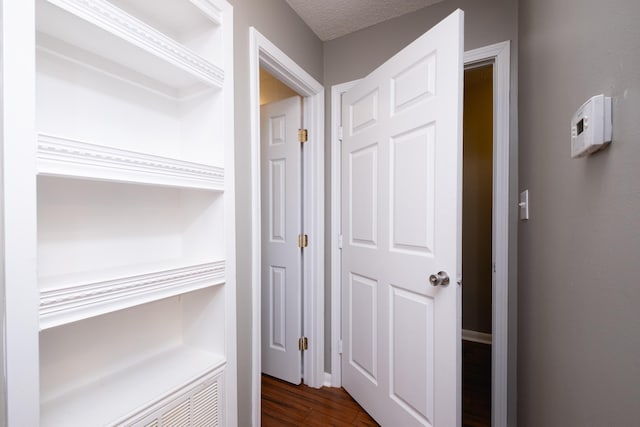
98 26
66 299
122 394
60 156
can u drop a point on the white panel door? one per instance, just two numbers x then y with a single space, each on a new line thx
281 223
401 160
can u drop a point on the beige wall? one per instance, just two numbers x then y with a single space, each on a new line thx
272 89
477 191
277 22
579 254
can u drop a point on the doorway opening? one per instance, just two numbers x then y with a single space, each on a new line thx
265 54
477 243
281 195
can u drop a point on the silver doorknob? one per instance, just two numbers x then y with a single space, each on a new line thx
440 279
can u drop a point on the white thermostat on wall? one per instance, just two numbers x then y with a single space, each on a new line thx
591 126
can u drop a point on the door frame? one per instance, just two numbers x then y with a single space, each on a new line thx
264 53
499 55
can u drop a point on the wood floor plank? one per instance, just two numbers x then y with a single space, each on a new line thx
270 421
283 410
364 420
330 407
320 419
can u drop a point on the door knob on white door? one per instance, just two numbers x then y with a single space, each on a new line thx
440 279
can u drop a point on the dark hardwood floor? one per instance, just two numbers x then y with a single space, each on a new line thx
284 404
476 384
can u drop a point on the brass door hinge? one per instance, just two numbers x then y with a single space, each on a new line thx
303 135
303 241
303 343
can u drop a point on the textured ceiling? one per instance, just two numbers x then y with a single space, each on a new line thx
330 19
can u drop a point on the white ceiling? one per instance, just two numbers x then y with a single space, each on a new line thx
331 19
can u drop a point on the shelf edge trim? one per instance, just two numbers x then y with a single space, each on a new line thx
71 303
61 156
110 18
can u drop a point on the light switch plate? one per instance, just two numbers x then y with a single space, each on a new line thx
524 205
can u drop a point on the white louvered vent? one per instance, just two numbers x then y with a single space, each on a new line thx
204 406
198 405
178 416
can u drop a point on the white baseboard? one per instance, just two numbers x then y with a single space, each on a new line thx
327 380
475 336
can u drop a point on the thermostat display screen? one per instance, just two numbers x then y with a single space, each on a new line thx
580 126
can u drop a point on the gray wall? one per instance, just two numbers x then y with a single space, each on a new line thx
355 55
277 22
579 254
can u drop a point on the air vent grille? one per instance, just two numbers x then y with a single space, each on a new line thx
178 416
198 405
205 406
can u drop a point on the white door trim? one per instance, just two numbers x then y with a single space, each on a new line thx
336 231
499 53
270 57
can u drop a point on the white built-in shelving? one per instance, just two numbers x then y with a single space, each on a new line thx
105 369
99 27
134 208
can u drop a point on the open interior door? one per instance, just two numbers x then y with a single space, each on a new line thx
281 223
401 186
